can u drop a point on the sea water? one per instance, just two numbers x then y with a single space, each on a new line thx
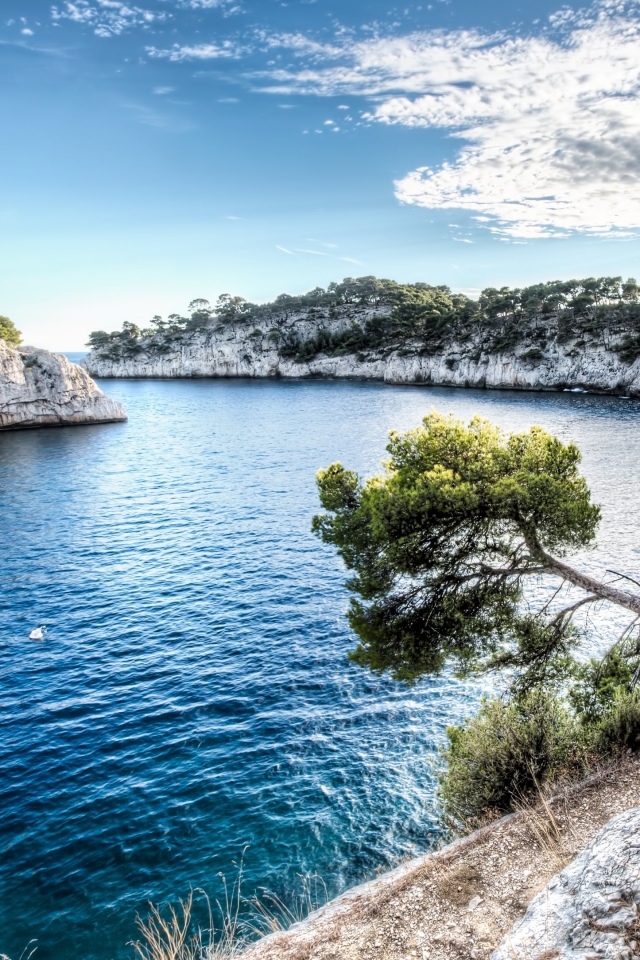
192 703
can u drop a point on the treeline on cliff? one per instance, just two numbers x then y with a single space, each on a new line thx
385 315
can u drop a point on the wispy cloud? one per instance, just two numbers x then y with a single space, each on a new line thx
108 18
199 51
284 250
112 17
227 6
550 123
546 126
317 253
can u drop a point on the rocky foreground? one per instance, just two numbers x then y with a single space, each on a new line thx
593 364
42 389
561 881
591 908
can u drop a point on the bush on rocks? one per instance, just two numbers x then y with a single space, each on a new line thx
502 755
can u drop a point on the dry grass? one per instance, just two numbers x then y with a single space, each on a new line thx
172 934
28 951
421 911
542 824
271 915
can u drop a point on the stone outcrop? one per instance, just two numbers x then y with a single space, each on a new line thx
253 350
590 910
42 389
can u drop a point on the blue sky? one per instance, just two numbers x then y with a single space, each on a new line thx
172 149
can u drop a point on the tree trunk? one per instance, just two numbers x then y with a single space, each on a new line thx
621 597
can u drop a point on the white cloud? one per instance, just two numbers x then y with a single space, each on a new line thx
550 124
161 91
284 250
107 17
317 253
27 32
198 51
228 6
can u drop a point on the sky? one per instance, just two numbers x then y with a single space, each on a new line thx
164 150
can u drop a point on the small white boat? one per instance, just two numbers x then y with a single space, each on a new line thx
38 633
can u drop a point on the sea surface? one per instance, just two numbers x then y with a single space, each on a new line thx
192 703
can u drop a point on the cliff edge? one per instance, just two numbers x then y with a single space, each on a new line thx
496 893
578 335
42 389
235 352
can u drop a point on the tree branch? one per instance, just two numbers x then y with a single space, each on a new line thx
574 606
605 592
602 590
623 576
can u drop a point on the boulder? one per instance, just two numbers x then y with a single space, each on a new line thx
590 910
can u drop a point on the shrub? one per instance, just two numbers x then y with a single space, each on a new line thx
9 332
597 686
534 354
619 727
504 753
629 349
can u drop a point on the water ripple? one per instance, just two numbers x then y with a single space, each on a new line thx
193 696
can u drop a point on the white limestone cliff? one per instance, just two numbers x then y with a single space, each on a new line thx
40 389
242 350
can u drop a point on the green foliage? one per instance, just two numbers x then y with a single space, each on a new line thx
9 332
540 655
417 317
597 684
516 745
440 542
502 755
629 349
439 546
619 727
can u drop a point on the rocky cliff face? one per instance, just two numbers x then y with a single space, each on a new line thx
40 389
590 910
246 350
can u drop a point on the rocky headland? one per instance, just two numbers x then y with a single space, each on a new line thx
42 389
575 338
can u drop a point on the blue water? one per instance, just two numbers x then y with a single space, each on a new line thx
75 355
193 697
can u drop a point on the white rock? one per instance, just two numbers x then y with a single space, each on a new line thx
39 389
231 351
587 911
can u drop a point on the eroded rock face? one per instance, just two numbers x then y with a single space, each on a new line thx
590 910
39 389
239 351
